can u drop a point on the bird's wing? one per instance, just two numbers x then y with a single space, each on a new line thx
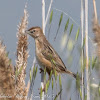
50 54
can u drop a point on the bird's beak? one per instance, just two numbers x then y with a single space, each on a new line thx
28 32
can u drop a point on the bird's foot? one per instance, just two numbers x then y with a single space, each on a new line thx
43 89
41 70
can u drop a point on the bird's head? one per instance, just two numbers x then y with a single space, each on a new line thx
35 32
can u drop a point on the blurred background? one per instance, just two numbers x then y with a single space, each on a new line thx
11 13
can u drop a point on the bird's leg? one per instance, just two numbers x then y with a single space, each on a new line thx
41 70
45 83
49 77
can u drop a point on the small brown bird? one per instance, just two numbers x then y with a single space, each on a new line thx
46 56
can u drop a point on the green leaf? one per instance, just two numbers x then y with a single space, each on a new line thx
78 81
80 92
60 82
41 92
71 28
36 71
99 90
45 73
66 26
46 88
85 97
61 17
51 15
45 70
77 34
83 43
58 94
48 83
50 74
53 61
33 71
94 61
44 77
55 74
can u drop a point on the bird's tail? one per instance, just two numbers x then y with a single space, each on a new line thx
71 73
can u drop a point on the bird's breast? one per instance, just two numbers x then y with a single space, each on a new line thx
39 56
38 51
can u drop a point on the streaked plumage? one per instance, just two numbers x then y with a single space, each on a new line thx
45 54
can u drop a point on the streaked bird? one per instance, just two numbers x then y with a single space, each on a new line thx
46 56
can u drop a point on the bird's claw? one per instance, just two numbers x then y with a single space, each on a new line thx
41 70
43 90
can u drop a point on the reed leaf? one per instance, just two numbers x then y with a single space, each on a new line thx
60 84
66 26
61 17
71 28
94 62
51 16
77 34
58 94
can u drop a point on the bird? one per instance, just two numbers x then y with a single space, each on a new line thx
46 55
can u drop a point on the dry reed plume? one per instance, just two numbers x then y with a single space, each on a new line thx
21 62
12 82
7 82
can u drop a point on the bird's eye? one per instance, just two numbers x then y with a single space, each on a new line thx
34 31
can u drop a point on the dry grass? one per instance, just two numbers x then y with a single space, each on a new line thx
12 81
22 55
7 82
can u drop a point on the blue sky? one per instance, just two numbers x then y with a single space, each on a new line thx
11 12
